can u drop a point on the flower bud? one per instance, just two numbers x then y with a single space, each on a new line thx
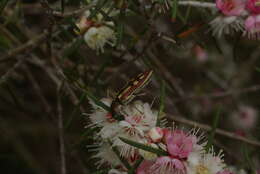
156 134
83 24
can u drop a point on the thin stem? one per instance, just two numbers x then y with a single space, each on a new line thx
218 131
197 4
61 135
221 94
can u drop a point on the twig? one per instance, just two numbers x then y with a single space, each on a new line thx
33 43
54 77
10 71
18 146
27 46
221 94
38 91
218 131
216 79
9 35
74 13
53 74
167 75
61 135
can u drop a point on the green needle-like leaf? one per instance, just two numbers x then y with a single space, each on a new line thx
159 152
101 104
174 9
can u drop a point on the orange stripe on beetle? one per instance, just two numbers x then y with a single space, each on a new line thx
134 86
127 93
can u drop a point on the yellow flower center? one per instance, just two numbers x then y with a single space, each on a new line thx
257 3
202 170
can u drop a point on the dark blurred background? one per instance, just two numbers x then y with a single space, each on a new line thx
44 82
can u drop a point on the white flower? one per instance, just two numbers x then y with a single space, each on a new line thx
127 151
244 118
106 155
109 130
139 119
235 170
99 114
195 157
213 164
226 25
102 118
97 30
115 171
97 37
205 163
140 116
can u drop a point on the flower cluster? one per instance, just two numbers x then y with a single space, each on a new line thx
238 15
183 152
185 155
97 31
138 120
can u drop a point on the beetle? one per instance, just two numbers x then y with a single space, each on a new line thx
128 93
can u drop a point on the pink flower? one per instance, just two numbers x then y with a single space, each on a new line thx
245 118
144 167
225 172
167 165
200 53
164 164
179 144
231 7
253 6
252 26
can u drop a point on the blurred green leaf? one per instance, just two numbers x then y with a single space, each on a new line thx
98 7
101 70
236 47
162 99
174 10
62 4
248 158
257 69
120 27
135 166
71 117
213 130
89 131
4 42
188 12
73 47
103 171
3 3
